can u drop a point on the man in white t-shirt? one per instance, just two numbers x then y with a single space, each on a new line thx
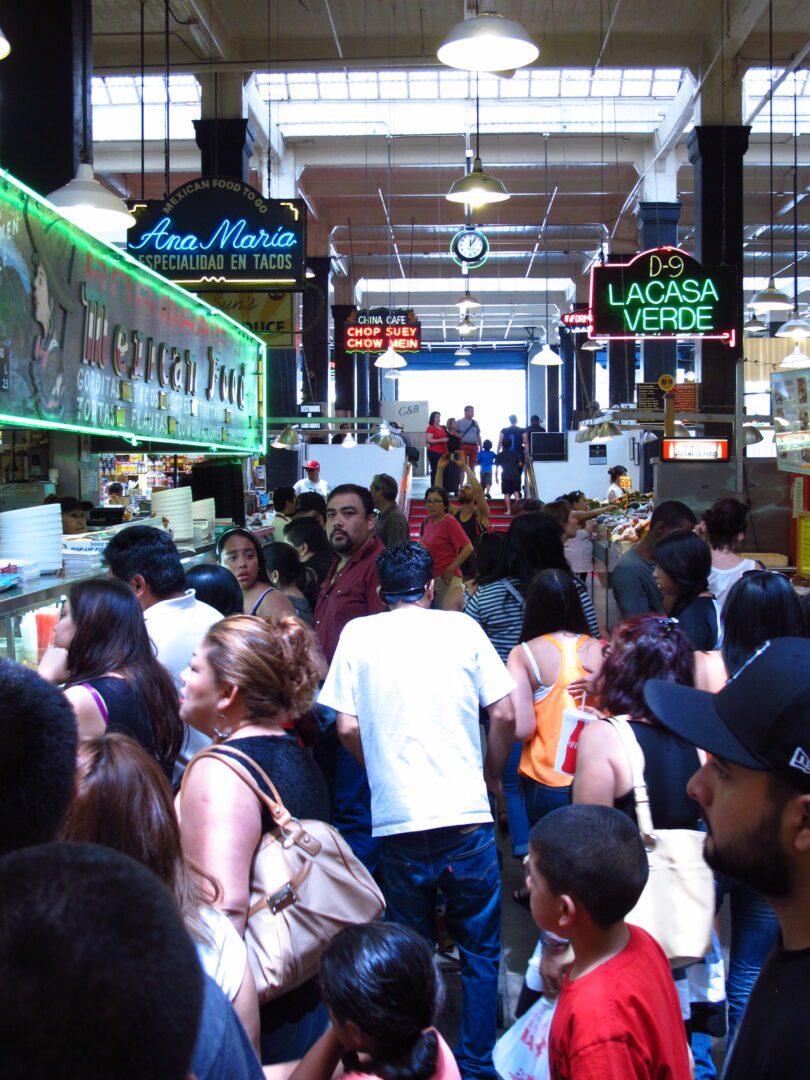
407 686
312 481
176 621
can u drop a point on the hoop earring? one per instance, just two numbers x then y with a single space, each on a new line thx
228 730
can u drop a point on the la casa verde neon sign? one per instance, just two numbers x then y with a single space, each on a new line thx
663 293
215 230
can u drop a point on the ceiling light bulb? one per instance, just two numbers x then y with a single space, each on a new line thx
466 326
796 327
487 42
770 299
5 46
91 206
390 359
468 302
477 188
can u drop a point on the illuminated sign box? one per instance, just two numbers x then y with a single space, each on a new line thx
650 397
695 450
663 293
219 233
790 394
98 343
374 331
578 322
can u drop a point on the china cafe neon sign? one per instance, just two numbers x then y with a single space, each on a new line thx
663 293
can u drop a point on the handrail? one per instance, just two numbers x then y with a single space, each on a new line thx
531 479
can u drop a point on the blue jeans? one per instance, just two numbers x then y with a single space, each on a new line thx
754 930
515 810
353 809
540 799
463 863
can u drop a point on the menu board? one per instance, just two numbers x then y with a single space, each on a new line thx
790 391
650 397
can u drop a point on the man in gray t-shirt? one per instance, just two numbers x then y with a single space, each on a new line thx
634 587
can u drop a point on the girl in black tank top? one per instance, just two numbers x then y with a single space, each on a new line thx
669 762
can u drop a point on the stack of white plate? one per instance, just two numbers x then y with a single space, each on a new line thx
175 505
204 510
34 534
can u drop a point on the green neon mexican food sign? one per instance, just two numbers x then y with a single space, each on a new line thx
95 342
663 293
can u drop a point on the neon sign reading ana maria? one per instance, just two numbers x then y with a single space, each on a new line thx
218 230
663 293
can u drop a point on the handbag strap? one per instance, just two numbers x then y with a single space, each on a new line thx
635 757
282 818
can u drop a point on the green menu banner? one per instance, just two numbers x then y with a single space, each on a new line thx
96 342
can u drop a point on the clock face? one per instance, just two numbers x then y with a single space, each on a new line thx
470 246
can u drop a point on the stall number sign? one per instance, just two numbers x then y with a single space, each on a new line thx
374 331
695 450
663 293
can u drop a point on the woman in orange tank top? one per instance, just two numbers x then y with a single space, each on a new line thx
555 651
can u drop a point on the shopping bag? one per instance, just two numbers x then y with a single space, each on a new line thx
574 719
521 1053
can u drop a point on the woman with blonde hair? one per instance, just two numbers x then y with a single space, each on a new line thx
247 683
123 801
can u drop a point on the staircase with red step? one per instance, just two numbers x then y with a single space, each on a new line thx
499 520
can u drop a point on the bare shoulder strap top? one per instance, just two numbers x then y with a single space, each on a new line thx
258 603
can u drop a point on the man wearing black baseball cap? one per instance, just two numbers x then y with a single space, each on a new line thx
755 794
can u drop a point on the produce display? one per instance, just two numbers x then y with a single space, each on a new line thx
628 521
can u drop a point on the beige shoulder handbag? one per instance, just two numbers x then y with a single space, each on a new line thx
306 884
677 905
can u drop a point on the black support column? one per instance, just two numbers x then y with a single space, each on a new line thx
41 91
315 336
553 398
568 357
344 363
225 147
621 372
657 227
717 153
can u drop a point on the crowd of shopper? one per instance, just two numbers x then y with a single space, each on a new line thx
402 690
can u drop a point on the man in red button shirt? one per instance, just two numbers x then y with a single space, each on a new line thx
349 591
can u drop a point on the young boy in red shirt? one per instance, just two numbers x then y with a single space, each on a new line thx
618 1016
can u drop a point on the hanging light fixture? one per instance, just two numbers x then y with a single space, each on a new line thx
606 431
477 188
487 42
648 437
390 359
349 442
584 433
5 46
83 200
466 326
462 362
288 439
546 357
385 438
593 345
463 351
468 302
770 298
751 435
754 325
796 359
796 327
681 431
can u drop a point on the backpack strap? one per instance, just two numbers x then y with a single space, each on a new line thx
292 829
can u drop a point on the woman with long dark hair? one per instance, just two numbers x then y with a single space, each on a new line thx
384 994
112 678
532 543
215 586
123 801
239 551
556 650
682 567
296 580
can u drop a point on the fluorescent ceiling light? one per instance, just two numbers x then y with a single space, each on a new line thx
488 42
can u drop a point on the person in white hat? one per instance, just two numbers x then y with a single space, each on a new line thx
312 481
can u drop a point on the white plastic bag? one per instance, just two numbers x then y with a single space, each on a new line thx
521 1053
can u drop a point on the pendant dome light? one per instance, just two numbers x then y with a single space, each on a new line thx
751 435
593 345
477 188
796 359
466 326
5 46
584 433
796 327
487 42
288 439
770 298
463 351
754 325
390 359
468 302
462 362
83 200
546 357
